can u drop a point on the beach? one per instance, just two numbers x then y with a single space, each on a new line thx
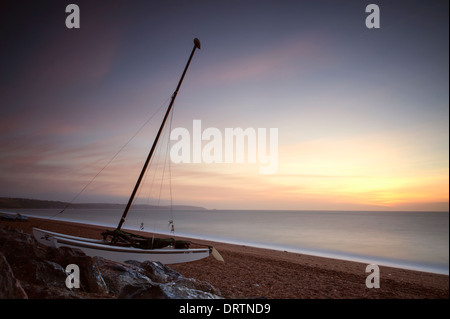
250 272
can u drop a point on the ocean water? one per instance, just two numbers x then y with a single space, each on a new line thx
411 240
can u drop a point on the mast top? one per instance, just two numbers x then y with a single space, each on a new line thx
130 200
197 43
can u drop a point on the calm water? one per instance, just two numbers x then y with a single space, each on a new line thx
413 240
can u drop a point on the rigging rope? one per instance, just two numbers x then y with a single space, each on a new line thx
155 170
159 152
109 162
171 222
164 167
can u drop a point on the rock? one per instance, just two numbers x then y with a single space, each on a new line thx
156 271
171 290
9 286
118 275
199 285
49 292
92 280
176 290
41 270
151 279
142 291
161 273
166 283
50 273
30 270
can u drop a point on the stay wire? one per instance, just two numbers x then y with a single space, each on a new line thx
162 176
109 162
171 222
161 183
152 183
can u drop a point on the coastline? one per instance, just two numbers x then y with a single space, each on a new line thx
250 272
425 257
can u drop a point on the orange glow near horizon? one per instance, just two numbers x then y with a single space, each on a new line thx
361 117
372 172
360 173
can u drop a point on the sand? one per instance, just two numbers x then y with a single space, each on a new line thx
250 272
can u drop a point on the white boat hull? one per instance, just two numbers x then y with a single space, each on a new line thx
100 248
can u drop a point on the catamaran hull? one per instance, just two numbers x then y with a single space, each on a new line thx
94 247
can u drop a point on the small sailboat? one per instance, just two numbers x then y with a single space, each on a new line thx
13 217
121 246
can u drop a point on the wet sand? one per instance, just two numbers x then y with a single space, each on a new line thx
250 272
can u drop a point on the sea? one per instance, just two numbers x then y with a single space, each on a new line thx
409 240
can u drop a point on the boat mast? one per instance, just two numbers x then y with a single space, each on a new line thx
133 194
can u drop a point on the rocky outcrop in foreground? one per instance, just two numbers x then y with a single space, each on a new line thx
28 270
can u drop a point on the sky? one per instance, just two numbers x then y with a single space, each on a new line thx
361 113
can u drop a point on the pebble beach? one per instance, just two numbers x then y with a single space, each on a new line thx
250 272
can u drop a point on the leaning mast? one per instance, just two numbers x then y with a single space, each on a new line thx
174 95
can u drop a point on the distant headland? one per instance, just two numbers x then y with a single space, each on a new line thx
26 203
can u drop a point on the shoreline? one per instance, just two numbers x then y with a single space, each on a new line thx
252 272
401 264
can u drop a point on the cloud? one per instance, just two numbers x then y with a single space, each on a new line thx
69 60
35 163
284 58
